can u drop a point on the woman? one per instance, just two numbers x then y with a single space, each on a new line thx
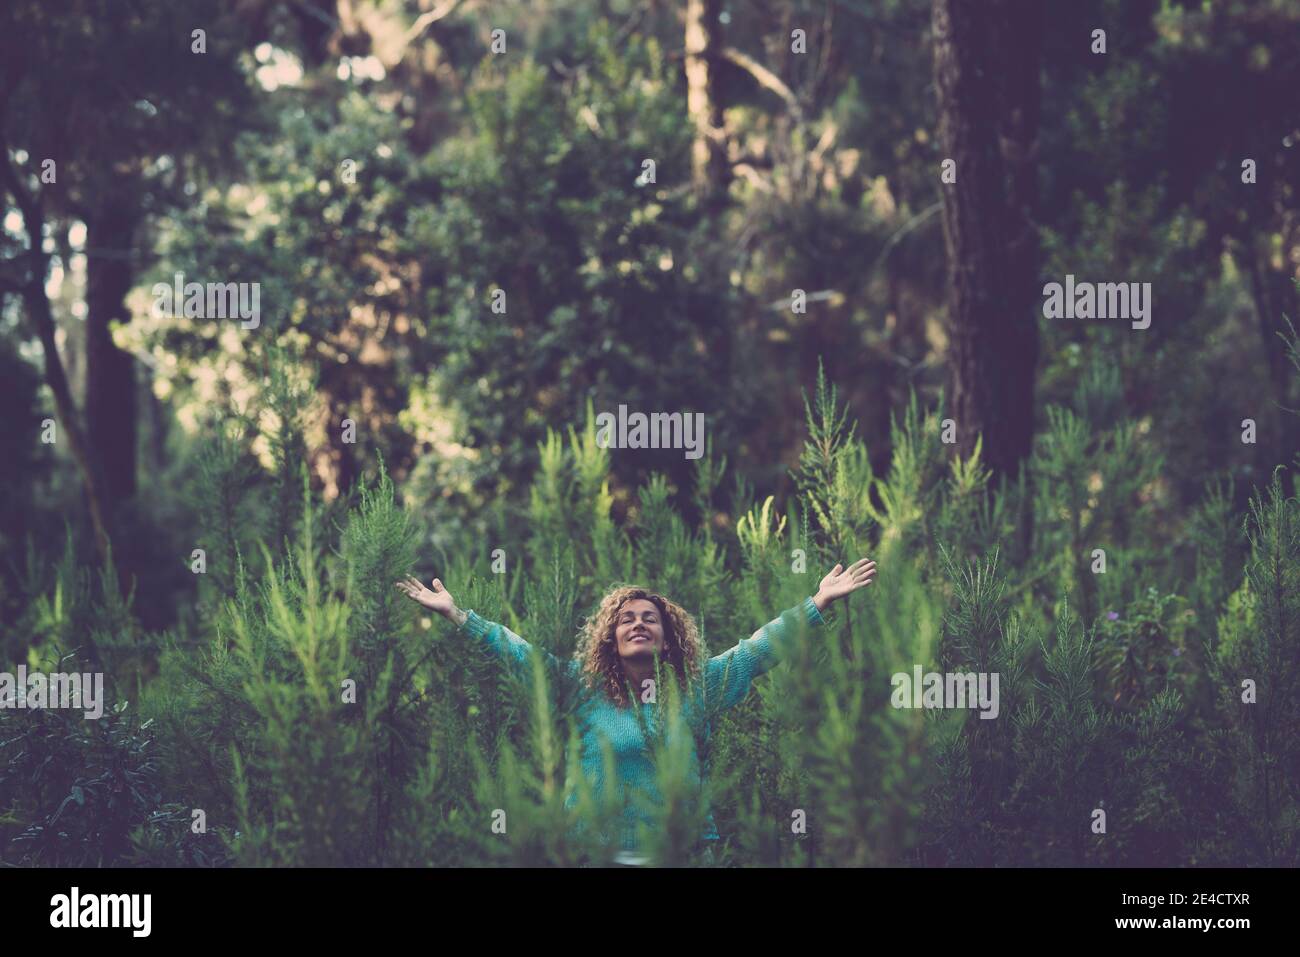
633 632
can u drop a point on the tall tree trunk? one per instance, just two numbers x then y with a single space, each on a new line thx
988 231
38 312
42 321
710 171
110 372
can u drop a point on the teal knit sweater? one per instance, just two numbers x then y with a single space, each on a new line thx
726 681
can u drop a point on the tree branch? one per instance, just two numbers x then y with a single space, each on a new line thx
428 19
766 79
753 177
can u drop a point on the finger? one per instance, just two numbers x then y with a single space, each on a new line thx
860 564
837 569
437 585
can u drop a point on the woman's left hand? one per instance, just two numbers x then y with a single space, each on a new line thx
843 581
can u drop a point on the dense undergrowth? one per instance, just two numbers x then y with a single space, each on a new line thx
304 713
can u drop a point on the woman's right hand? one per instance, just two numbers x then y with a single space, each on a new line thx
436 598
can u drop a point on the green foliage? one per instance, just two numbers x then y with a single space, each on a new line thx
603 300
445 756
1139 648
81 792
381 213
910 490
1096 488
1259 643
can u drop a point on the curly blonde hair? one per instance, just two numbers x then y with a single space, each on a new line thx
602 668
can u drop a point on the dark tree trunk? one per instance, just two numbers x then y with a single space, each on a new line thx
38 311
986 75
41 318
710 171
110 372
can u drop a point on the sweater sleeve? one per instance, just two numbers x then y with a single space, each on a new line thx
503 642
728 676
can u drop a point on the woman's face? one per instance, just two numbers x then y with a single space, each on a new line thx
639 629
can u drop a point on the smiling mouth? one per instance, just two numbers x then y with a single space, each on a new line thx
639 638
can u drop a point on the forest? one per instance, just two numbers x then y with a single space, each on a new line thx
301 297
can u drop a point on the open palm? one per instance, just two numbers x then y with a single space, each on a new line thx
435 598
841 581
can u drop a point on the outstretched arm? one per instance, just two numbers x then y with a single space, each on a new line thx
728 676
497 637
